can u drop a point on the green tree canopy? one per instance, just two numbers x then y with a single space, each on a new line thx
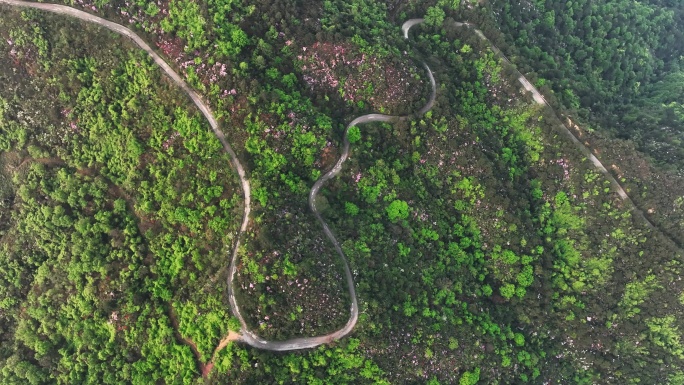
398 209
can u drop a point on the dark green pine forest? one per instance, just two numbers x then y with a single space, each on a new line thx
484 245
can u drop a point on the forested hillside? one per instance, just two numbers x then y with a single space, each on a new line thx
616 69
484 246
618 63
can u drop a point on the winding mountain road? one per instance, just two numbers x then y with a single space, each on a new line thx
248 336
311 342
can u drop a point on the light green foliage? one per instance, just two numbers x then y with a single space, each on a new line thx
289 80
203 325
434 16
563 218
152 9
397 210
230 38
519 339
525 276
160 363
453 343
31 41
523 133
403 250
449 4
636 293
12 134
343 364
224 359
351 209
186 20
303 147
234 324
102 116
470 190
665 334
260 195
559 219
52 228
676 378
377 181
3 109
354 134
511 270
289 268
172 252
470 377
197 139
487 290
507 290
132 191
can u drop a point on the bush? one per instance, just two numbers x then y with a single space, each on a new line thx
353 134
470 378
351 209
398 209
234 324
507 291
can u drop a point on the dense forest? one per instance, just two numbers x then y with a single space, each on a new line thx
616 68
618 63
484 246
